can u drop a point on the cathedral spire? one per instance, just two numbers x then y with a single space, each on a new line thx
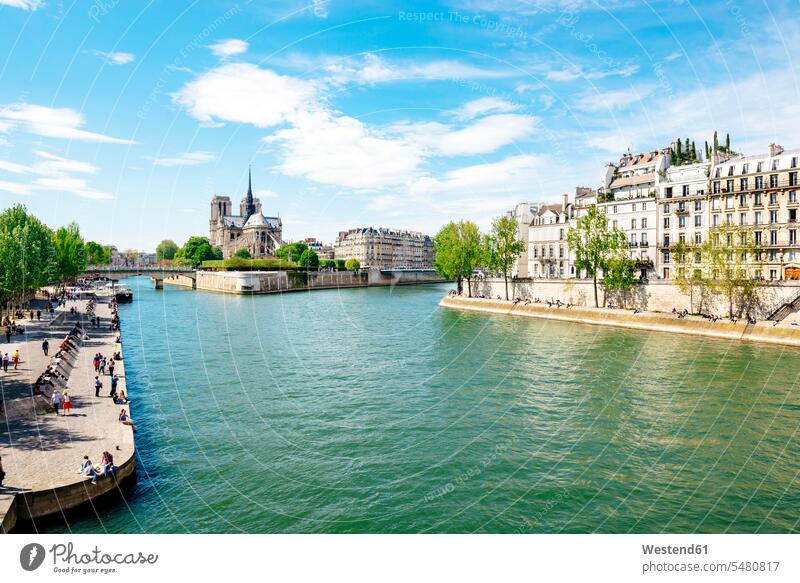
250 205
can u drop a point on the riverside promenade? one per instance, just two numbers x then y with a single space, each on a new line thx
763 331
42 452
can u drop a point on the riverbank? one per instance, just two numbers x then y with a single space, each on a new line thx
42 452
766 332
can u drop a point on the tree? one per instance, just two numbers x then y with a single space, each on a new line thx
458 251
28 257
69 252
594 244
340 263
727 142
327 264
291 251
196 250
352 264
503 246
166 250
619 273
242 253
716 142
309 259
732 262
97 254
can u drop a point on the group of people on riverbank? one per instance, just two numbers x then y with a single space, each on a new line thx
104 468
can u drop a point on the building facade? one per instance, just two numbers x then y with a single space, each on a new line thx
249 229
385 248
523 214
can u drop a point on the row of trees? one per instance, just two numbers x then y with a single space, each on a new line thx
686 152
461 250
33 255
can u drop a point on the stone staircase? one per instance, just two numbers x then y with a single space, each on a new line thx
786 310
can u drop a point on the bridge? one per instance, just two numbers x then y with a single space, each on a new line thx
157 273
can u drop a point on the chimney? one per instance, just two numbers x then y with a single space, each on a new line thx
564 199
775 149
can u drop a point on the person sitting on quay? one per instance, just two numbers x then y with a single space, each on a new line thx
87 469
122 398
124 418
107 464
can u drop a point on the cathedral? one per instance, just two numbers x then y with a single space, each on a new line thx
250 229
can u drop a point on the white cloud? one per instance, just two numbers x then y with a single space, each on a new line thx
53 123
262 193
485 135
186 159
609 100
115 58
13 167
244 93
76 186
24 4
229 48
320 8
343 151
371 69
575 72
482 106
56 165
673 56
15 187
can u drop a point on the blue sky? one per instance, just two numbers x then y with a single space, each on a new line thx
128 116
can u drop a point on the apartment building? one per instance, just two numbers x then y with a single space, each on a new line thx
385 248
523 214
628 197
682 210
760 192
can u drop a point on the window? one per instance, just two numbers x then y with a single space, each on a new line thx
665 259
792 215
644 222
794 162
668 192
698 238
716 188
698 205
561 234
682 238
614 223
773 274
666 240
666 222
792 196
757 237
742 200
681 222
685 190
729 218
759 182
759 167
715 221
698 221
561 251
773 217
667 208
644 239
730 170
614 209
773 237
792 178
775 164
633 239
716 174
792 237
729 186
773 180
633 207
757 220
743 184
715 204
742 218
633 223
773 198
744 168
757 198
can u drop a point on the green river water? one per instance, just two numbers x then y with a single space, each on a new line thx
374 410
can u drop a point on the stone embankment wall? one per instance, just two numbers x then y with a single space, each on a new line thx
263 282
654 296
761 332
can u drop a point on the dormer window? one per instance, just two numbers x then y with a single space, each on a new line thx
775 164
760 167
744 168
717 173
730 170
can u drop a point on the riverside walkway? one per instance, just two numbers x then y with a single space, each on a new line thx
42 452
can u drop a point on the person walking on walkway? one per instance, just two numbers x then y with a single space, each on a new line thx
97 386
114 381
97 362
67 403
6 360
8 334
39 315
15 358
103 365
45 346
111 367
56 400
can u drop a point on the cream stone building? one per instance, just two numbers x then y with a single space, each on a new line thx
250 229
385 248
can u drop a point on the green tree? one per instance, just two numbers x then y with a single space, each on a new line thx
458 251
309 259
327 264
503 246
716 142
196 250
352 264
620 273
166 250
242 253
97 254
291 251
70 252
594 244
340 263
732 260
27 254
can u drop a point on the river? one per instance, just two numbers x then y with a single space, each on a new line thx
374 410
